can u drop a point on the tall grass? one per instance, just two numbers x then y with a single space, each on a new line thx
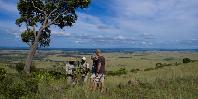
169 82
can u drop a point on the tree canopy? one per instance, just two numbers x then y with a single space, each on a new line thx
39 15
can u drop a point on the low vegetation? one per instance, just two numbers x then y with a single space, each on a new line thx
119 72
134 70
187 60
157 80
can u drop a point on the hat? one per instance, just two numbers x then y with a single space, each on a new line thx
84 58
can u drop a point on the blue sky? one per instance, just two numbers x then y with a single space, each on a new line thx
117 24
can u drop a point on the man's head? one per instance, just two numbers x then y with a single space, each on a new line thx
98 52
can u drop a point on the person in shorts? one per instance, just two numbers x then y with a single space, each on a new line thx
100 71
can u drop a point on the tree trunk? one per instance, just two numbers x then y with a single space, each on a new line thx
32 52
30 56
33 48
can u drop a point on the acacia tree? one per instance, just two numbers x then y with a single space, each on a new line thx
39 15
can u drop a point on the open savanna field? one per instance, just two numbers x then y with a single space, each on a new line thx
129 75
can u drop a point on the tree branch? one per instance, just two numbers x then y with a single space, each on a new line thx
37 7
45 24
34 31
56 18
51 13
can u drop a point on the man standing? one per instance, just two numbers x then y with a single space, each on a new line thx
100 70
85 69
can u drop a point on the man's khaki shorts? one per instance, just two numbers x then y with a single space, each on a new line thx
99 78
93 76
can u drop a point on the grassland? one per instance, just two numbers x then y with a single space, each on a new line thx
167 82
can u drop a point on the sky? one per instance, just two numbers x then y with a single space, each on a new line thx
116 24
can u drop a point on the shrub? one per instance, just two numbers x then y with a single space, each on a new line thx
148 69
158 64
157 67
57 75
169 59
42 75
31 85
20 66
134 70
2 73
59 69
119 72
15 86
33 68
121 86
186 60
16 89
176 63
111 73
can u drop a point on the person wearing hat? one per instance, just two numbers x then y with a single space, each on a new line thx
85 68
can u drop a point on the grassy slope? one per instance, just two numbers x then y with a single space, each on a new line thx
167 82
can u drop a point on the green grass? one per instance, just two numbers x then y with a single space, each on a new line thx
167 82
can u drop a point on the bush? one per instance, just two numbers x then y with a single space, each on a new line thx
158 64
176 64
148 69
157 67
134 70
20 66
59 69
186 60
42 75
119 72
2 74
57 75
33 68
15 86
16 89
111 73
31 85
169 59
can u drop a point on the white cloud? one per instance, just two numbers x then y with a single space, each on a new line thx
12 30
4 6
120 37
56 32
134 22
136 7
165 19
